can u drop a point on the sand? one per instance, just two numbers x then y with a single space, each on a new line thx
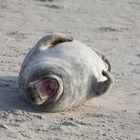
113 27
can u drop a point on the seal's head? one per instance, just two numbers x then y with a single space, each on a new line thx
45 90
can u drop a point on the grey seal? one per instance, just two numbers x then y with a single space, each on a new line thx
60 72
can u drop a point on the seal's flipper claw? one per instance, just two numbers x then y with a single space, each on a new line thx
104 86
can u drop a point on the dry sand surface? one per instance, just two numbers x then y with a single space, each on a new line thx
113 27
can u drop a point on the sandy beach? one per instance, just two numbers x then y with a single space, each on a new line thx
113 27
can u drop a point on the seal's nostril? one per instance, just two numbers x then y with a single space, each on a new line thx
30 96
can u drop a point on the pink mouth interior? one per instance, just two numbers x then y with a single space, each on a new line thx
47 87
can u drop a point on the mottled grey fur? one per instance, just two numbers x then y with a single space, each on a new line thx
82 73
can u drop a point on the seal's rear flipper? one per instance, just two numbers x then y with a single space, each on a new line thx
104 58
53 39
104 86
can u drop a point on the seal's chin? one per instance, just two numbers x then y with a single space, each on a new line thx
45 89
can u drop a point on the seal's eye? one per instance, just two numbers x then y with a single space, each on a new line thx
47 87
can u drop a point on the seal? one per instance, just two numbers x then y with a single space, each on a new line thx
60 72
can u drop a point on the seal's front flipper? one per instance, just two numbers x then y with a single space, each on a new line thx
104 86
53 39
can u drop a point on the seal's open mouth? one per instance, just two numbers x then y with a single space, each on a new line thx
47 88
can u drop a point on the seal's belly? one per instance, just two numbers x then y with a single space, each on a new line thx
74 53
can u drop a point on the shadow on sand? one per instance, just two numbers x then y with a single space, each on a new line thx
10 98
